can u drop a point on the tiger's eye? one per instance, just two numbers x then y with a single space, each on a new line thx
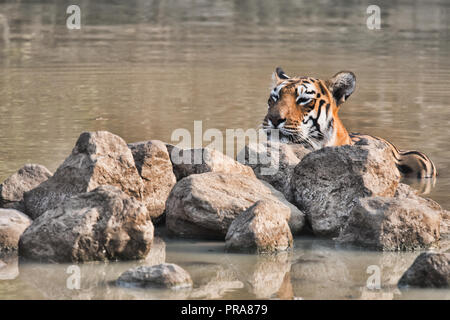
303 100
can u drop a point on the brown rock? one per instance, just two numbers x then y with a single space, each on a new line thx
274 162
165 275
204 205
104 224
398 223
99 158
328 182
12 189
261 228
153 164
194 161
12 224
429 270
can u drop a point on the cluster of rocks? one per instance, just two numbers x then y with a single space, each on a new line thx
104 199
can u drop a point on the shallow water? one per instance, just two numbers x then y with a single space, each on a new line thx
316 269
142 69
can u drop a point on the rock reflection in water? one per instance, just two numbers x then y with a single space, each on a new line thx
96 278
324 271
316 269
9 266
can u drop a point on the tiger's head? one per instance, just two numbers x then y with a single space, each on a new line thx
305 109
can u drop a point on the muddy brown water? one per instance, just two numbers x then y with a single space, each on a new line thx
142 69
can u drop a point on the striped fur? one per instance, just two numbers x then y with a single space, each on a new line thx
305 110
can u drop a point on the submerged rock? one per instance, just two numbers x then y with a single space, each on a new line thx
261 228
429 270
104 224
154 166
328 182
99 158
165 275
205 205
194 161
25 179
404 222
12 224
274 162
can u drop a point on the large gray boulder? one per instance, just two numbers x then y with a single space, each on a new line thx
25 179
403 222
328 182
429 270
104 224
274 162
204 205
262 228
154 166
12 224
165 275
194 161
98 158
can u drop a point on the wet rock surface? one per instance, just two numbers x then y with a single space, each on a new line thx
98 158
104 224
166 275
154 166
261 228
429 270
25 179
204 205
12 224
328 182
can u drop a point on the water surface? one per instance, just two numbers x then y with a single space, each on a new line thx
142 69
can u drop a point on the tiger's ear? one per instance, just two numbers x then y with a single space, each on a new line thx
342 86
279 75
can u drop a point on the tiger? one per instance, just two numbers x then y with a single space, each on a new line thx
304 110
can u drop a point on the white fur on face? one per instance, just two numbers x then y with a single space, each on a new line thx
275 93
305 93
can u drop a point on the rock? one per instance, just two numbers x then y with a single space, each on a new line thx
27 178
12 224
165 275
274 162
154 166
104 224
445 224
194 161
204 205
397 223
429 270
99 158
261 228
297 219
328 182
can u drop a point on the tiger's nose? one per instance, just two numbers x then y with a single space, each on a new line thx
277 121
